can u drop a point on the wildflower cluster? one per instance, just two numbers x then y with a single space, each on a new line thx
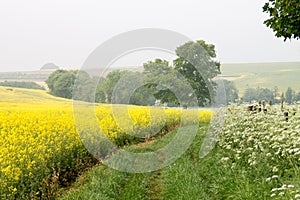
265 141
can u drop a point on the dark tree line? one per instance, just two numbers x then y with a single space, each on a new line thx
264 94
22 84
189 81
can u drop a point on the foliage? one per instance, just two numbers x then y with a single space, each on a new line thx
61 82
107 86
143 96
264 94
231 91
289 96
189 81
63 87
167 84
258 94
84 87
22 84
196 64
284 18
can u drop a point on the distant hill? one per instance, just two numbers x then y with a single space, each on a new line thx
49 66
268 75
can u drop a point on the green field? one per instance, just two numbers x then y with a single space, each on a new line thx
265 75
256 157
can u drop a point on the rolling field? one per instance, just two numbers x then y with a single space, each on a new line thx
42 154
267 75
41 149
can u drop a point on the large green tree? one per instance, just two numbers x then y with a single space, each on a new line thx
84 88
156 74
196 63
61 82
284 18
167 84
106 86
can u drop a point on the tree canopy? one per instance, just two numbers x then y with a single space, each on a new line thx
61 83
258 94
284 18
167 85
188 82
196 63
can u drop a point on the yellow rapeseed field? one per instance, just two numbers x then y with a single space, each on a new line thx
40 148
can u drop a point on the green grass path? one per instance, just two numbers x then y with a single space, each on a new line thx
188 178
102 182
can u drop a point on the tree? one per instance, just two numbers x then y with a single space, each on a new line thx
61 82
63 87
231 91
284 18
143 96
264 94
258 94
156 74
289 95
167 84
107 86
250 95
84 88
195 62
100 93
53 78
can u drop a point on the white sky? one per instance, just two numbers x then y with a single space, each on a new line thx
65 32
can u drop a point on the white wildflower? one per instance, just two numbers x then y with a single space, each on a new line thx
275 169
281 194
273 195
274 176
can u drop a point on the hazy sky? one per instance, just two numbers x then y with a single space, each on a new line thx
35 32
